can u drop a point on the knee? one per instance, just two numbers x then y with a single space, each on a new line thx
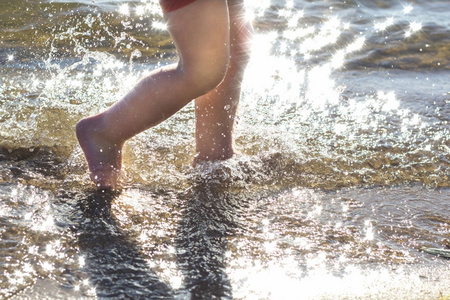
205 74
213 76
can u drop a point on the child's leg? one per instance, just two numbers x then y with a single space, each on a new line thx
200 32
216 111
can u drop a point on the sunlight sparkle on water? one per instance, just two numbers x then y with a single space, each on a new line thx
261 47
328 35
321 87
289 4
340 129
282 279
50 250
413 27
382 26
346 26
28 268
45 225
357 45
407 9
81 261
390 100
47 266
338 59
124 9
140 10
298 33
332 24
16 278
293 21
284 13
369 231
159 25
258 7
250 16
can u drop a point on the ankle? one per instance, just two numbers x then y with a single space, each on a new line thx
223 154
95 128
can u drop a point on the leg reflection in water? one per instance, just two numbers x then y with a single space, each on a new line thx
115 263
117 266
209 218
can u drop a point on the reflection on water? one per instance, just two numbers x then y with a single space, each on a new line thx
343 178
209 219
113 262
208 242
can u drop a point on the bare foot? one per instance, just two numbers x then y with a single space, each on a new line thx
103 156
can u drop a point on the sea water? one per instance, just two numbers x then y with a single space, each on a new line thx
343 177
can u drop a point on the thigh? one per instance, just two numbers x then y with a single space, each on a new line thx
200 32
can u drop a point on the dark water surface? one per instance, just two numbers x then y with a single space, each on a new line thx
343 178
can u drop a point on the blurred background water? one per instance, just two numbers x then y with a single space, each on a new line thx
344 174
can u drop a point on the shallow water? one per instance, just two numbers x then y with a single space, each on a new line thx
210 242
343 178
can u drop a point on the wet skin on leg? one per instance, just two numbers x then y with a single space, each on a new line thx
214 51
200 32
216 111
